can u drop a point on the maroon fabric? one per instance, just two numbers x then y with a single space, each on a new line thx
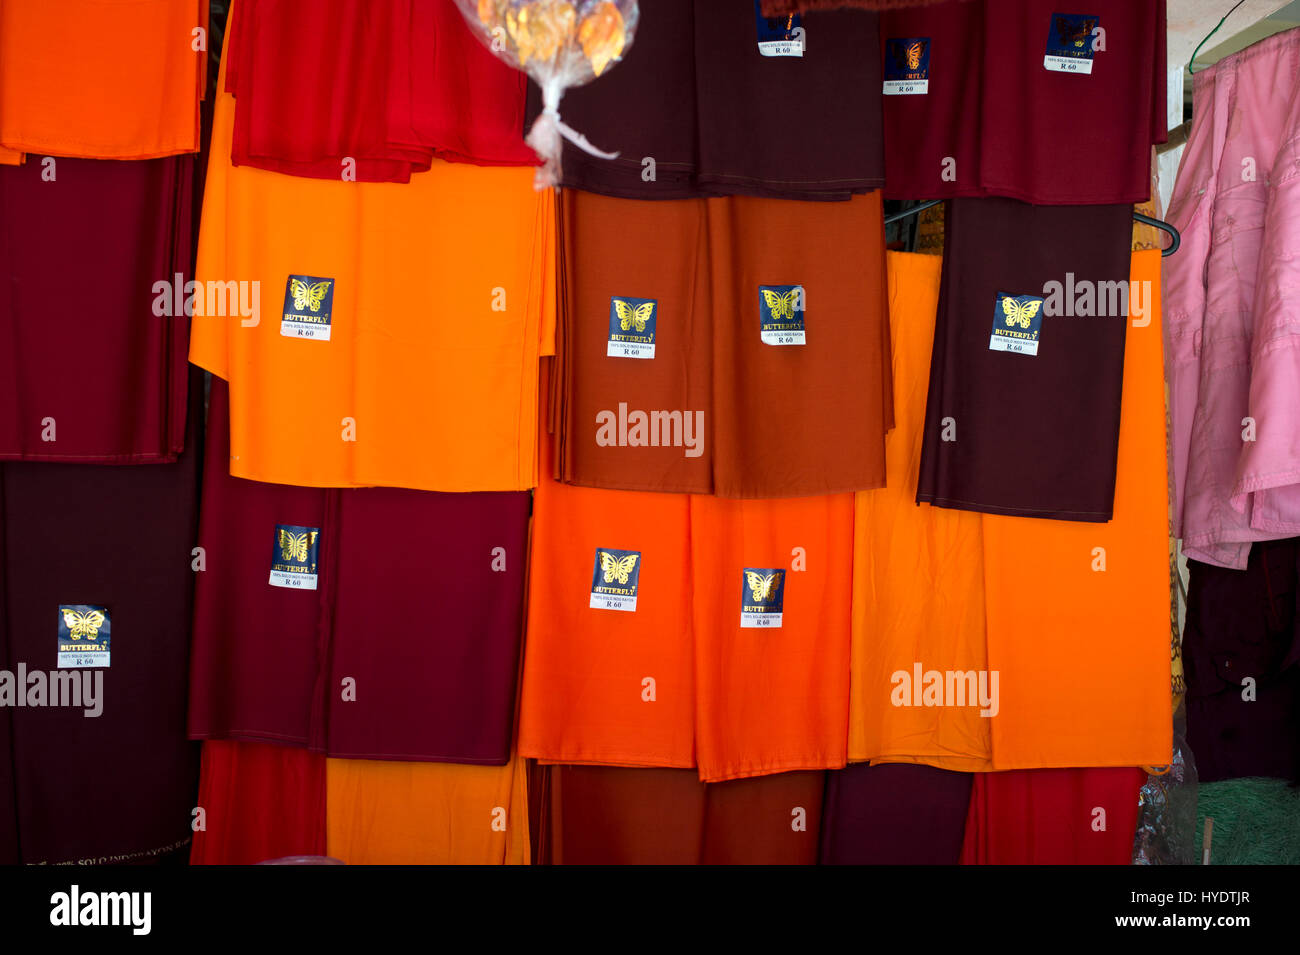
1015 128
9 853
894 814
780 8
118 787
390 84
1034 436
1243 624
255 655
603 815
408 607
718 118
1045 138
79 257
923 133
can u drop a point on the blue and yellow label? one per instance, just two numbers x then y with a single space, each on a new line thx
1069 43
762 597
294 556
632 323
615 580
308 307
781 314
778 36
907 66
1017 321
84 634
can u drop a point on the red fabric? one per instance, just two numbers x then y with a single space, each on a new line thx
260 802
388 83
1014 128
92 369
1050 817
410 605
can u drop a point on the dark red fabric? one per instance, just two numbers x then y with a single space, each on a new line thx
391 84
1015 128
408 607
1243 624
780 8
9 851
718 118
1035 436
255 657
1045 138
259 802
923 134
601 815
894 814
1052 817
79 257
117 787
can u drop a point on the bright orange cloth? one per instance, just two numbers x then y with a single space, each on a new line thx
11 157
678 682
772 700
918 571
1083 654
390 813
102 80
443 295
584 698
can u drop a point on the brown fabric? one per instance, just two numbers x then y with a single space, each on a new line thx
781 8
717 117
778 421
614 816
1035 436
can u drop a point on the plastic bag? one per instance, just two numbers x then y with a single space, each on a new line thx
1166 829
559 43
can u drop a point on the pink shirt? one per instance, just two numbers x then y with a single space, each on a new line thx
1231 353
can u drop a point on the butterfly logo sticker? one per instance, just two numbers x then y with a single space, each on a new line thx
1019 312
762 586
781 305
632 326
615 582
295 547
308 307
294 557
84 633
633 316
82 623
907 66
1017 323
1072 31
308 296
1070 44
762 598
617 568
782 316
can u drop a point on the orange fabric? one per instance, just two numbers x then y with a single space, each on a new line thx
583 698
442 304
918 571
772 700
1083 654
101 80
11 157
736 702
389 813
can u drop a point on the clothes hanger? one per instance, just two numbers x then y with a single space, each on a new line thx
1175 239
1192 61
